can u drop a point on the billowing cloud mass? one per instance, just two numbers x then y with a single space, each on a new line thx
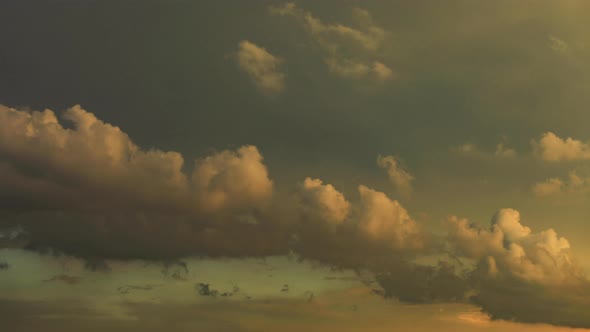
522 275
349 52
400 178
87 189
511 248
229 180
323 201
574 184
554 148
93 178
262 67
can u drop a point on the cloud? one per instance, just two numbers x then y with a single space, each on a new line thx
510 248
262 67
519 274
574 184
553 148
400 178
501 151
323 201
386 220
349 52
93 180
230 180
14 237
558 45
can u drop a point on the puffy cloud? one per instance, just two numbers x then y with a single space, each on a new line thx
387 220
93 180
233 180
510 248
553 148
521 275
574 184
262 67
400 178
348 51
323 201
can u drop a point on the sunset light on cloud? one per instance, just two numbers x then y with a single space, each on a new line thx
289 166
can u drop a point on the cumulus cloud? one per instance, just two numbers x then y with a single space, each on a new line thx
229 180
93 180
554 148
520 274
510 248
262 67
349 52
574 184
323 201
387 220
400 178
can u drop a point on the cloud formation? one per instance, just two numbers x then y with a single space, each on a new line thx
401 179
554 148
92 179
501 151
349 52
510 248
87 189
323 201
262 67
386 220
574 184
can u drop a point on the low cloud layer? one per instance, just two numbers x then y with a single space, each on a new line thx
83 187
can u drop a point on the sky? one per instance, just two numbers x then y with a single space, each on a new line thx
269 165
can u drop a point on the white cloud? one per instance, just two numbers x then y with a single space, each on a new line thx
553 148
400 178
262 67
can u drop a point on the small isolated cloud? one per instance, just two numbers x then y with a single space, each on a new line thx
401 179
262 67
323 201
574 184
501 151
554 148
558 45
349 52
